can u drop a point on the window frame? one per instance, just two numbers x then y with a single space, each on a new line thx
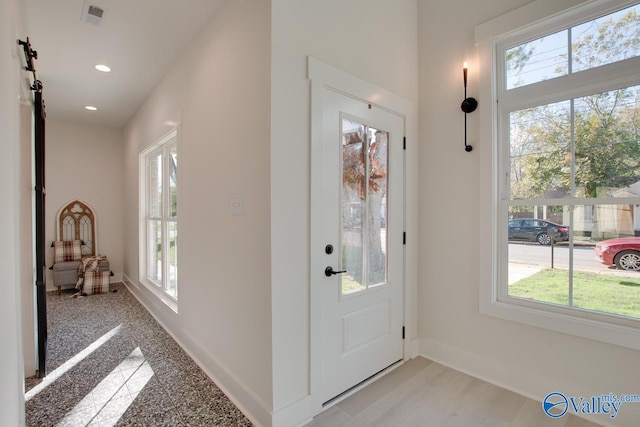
163 147
493 38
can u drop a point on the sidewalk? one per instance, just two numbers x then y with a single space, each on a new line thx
519 271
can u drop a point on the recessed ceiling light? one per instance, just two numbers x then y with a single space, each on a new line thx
90 108
103 68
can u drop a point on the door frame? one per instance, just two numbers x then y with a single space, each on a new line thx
323 76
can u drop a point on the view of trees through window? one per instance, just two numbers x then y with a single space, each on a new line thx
364 192
585 147
611 38
575 163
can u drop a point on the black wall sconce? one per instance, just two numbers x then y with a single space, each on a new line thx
469 105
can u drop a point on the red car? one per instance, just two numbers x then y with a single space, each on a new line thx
623 252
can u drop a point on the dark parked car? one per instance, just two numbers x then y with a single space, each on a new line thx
624 252
536 230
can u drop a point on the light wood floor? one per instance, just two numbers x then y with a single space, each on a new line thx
424 393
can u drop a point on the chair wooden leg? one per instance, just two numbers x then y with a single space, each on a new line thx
59 289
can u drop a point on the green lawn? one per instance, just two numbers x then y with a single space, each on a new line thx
598 292
350 285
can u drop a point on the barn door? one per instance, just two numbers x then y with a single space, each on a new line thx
40 244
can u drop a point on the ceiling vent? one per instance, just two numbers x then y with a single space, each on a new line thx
92 14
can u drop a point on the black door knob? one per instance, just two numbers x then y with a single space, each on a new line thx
329 271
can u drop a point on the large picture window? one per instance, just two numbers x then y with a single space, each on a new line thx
568 166
159 217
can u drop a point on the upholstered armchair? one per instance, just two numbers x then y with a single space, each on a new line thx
75 241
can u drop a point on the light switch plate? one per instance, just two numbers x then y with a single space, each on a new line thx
237 206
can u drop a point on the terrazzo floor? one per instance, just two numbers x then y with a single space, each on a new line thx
111 364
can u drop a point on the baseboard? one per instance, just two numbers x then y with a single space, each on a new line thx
256 410
297 413
411 349
478 367
302 411
116 278
509 377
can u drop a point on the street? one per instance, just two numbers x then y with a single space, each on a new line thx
527 259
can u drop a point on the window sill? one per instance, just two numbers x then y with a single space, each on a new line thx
566 320
162 297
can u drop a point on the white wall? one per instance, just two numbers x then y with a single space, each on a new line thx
375 41
526 359
219 92
85 162
12 28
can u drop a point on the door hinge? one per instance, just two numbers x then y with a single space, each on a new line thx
404 143
404 237
403 332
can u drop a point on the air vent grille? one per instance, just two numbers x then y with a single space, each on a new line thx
92 14
95 11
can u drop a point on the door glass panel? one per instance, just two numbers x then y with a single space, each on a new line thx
363 198
353 197
377 204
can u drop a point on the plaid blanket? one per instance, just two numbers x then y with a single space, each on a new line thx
95 282
91 263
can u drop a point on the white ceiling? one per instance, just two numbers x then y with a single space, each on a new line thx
138 39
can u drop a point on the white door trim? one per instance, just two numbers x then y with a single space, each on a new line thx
325 76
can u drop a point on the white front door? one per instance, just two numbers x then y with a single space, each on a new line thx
361 221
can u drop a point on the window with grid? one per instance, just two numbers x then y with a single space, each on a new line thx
568 125
159 217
